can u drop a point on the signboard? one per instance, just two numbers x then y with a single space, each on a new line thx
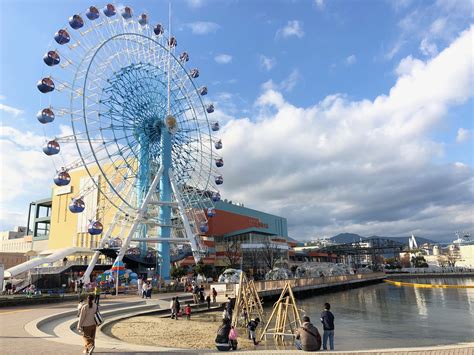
63 190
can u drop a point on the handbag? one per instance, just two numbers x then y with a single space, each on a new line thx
98 318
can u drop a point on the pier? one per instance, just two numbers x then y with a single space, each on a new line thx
273 288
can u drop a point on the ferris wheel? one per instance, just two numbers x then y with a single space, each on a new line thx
139 126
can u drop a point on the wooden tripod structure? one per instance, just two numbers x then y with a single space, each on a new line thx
286 314
247 302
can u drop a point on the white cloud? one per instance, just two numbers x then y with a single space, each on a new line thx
223 58
351 59
319 4
463 135
28 172
362 166
203 27
267 63
11 110
290 82
292 28
428 48
438 26
433 25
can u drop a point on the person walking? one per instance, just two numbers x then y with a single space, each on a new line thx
97 294
86 324
208 300
149 288
327 318
187 311
307 336
173 307
144 289
252 328
229 307
222 338
214 295
233 338
139 286
196 294
177 308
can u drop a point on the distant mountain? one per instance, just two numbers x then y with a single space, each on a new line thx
404 240
343 238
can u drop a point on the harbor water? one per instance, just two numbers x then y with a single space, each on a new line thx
388 316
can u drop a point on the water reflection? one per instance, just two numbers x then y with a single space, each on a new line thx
386 316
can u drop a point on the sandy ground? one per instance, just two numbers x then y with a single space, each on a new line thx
197 333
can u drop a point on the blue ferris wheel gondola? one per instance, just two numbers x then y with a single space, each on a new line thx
159 29
62 178
172 42
77 205
76 22
211 212
143 19
92 13
218 144
95 228
45 85
109 10
62 37
220 162
215 126
127 13
210 109
194 73
184 57
45 116
202 90
51 58
51 148
203 227
219 180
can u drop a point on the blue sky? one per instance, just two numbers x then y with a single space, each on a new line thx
323 62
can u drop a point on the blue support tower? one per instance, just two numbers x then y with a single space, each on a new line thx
143 184
165 195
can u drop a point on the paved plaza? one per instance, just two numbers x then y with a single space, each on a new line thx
20 333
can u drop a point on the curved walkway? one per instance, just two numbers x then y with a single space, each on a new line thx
50 330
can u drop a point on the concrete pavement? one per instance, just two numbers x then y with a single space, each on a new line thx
20 333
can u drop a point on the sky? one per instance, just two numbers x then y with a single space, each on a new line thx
341 116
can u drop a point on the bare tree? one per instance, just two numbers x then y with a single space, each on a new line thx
231 253
270 253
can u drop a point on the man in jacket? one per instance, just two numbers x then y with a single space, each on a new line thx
307 336
327 318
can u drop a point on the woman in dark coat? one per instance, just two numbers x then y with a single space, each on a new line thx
222 338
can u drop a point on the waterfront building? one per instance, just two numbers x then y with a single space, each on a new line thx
60 235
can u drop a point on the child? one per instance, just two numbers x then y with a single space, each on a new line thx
187 311
252 327
233 338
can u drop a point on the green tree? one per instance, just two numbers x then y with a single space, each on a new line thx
203 269
177 272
